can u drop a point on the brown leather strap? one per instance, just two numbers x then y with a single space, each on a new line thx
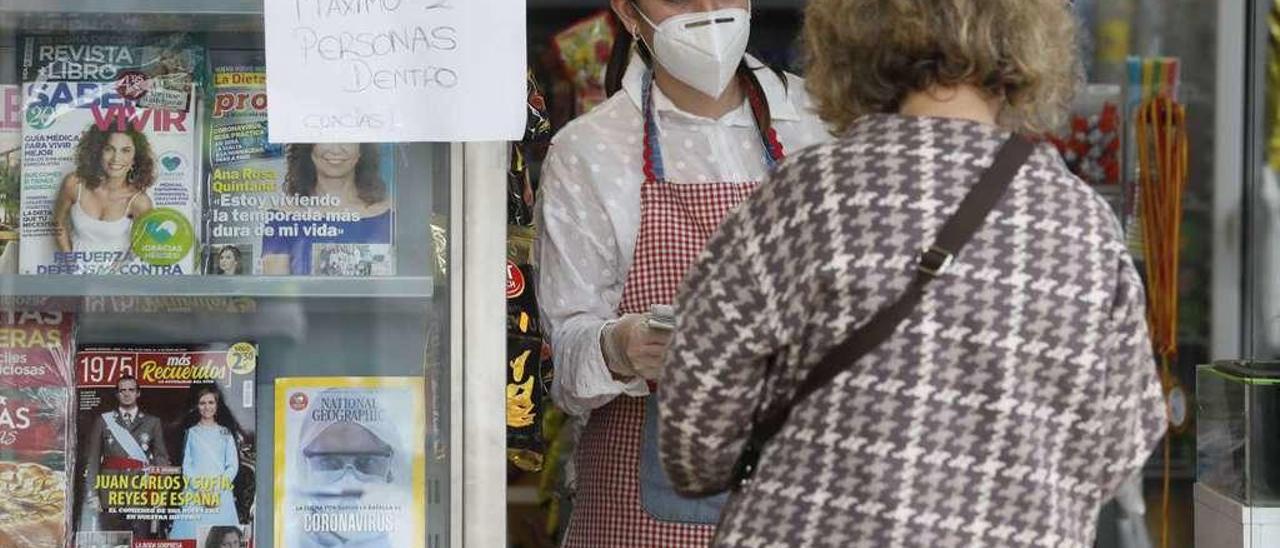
933 262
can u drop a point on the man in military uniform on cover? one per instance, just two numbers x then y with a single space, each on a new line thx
122 441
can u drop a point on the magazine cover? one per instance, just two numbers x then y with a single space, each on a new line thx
167 445
35 389
109 160
10 172
349 462
298 209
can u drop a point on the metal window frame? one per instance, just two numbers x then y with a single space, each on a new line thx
478 425
1230 322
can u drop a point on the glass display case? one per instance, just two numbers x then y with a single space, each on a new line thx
1238 434
420 311
1237 494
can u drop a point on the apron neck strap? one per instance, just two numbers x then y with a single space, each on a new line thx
655 169
774 154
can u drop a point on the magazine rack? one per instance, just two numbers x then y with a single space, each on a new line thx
444 325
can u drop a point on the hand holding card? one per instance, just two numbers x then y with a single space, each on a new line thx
661 317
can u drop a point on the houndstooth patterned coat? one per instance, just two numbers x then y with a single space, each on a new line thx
1003 412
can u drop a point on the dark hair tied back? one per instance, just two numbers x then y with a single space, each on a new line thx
620 55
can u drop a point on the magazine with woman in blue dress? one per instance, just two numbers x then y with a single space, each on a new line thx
210 462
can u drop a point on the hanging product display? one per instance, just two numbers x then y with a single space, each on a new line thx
1090 145
528 356
1162 151
1148 78
552 491
520 184
583 51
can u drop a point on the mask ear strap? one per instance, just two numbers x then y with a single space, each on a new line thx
624 46
636 31
637 39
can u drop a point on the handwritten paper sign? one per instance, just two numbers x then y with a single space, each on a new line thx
395 70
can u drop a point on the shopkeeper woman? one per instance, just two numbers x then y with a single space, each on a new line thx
631 191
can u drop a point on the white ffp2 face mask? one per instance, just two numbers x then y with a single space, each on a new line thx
702 49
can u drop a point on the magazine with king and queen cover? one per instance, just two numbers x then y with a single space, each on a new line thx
167 445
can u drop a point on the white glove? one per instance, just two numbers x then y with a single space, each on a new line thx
632 349
1132 523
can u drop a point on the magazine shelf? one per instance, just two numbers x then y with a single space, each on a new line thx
186 7
601 4
406 287
423 308
248 7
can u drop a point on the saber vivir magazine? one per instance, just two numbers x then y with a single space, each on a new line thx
167 445
297 209
35 391
350 464
110 162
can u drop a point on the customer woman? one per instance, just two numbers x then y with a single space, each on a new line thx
210 462
630 192
97 203
1019 391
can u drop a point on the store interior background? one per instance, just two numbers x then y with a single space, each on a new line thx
1212 234
1229 305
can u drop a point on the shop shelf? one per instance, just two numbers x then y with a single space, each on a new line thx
402 287
602 4
188 7
249 7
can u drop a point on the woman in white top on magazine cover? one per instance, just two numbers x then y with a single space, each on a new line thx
630 193
97 203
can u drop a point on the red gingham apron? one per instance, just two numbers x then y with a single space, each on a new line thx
676 220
